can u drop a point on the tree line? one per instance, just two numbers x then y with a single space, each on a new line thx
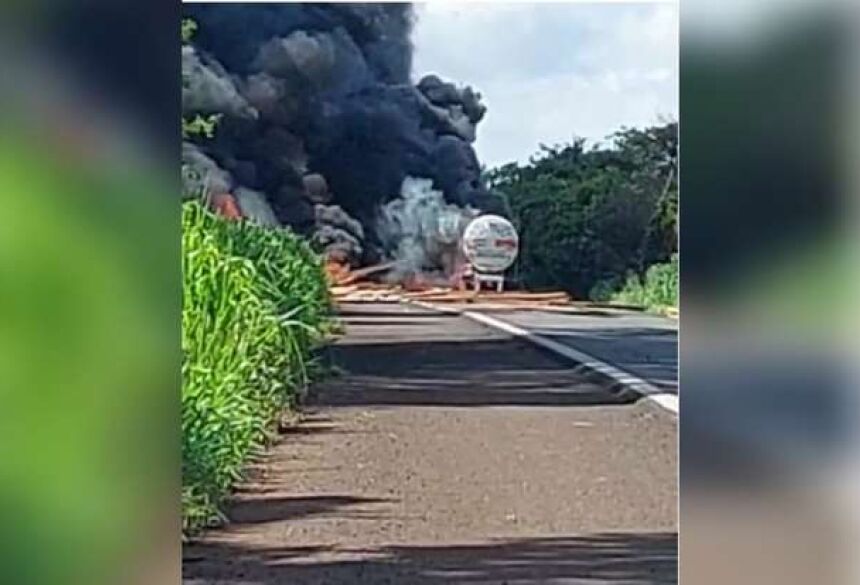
589 218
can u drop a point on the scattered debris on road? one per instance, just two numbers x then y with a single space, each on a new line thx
365 286
384 293
368 285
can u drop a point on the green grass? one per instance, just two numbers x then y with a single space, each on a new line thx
657 290
89 290
807 288
255 304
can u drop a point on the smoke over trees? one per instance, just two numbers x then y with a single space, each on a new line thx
319 119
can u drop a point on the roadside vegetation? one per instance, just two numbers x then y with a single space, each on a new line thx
599 222
656 291
255 306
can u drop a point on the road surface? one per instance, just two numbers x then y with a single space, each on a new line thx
642 344
449 452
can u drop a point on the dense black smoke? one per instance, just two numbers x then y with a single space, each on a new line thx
321 119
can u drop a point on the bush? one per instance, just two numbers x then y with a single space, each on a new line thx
658 289
255 303
606 289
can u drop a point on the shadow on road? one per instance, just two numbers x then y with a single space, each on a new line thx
614 558
476 372
365 313
258 510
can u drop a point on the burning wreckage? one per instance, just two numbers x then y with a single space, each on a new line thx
322 129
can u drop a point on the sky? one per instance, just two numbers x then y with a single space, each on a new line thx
550 71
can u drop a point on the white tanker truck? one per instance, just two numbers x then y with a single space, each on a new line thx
489 245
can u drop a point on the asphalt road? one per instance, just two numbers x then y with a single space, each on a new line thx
639 343
449 452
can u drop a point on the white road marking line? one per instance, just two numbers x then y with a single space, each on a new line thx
630 381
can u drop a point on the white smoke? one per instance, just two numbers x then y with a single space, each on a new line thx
201 176
420 230
336 231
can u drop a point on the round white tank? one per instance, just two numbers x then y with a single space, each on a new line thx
490 243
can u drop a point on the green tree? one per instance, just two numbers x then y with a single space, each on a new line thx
588 218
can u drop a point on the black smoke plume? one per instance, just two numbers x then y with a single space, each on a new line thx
320 117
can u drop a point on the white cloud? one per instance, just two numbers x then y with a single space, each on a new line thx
551 71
